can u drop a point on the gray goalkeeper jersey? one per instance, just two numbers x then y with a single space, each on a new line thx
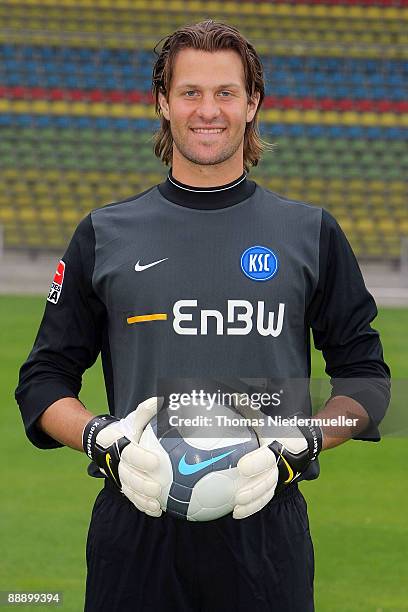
180 282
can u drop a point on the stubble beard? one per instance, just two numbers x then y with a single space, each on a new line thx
192 155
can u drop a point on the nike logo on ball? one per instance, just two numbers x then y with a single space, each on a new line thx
191 468
140 268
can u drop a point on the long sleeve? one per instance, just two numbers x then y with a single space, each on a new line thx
69 338
340 314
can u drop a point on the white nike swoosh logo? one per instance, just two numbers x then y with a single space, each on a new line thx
139 268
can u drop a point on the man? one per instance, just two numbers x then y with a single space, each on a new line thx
177 282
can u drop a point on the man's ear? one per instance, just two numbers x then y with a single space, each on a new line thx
164 106
252 106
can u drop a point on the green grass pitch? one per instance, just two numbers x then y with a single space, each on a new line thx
357 508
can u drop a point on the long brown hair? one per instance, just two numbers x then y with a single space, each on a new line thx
208 36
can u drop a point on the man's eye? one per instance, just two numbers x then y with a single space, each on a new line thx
190 92
226 92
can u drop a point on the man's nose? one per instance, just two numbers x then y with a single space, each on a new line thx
209 108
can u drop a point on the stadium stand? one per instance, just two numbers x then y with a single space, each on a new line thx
76 114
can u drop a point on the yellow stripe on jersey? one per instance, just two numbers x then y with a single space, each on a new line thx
143 318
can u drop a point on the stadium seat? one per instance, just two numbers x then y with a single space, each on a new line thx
76 121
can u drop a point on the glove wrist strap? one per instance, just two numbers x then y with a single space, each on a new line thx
91 430
313 435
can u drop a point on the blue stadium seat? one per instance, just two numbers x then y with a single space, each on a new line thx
44 121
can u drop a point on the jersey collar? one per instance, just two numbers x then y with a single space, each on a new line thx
207 198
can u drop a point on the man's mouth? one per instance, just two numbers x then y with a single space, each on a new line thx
207 130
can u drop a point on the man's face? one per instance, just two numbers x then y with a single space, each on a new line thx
207 106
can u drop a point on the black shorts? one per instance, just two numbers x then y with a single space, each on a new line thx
138 563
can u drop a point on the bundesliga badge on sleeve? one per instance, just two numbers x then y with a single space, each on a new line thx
56 285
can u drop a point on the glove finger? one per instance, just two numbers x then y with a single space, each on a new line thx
142 502
135 422
155 514
242 511
140 458
256 487
145 412
138 481
256 462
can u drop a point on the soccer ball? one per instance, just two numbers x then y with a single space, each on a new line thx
198 475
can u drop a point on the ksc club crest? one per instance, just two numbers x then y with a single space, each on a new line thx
259 263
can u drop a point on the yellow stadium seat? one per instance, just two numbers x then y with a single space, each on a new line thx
7 214
35 239
27 214
23 200
337 199
70 215
46 201
40 188
49 215
365 225
346 224
12 238
377 199
380 213
66 201
403 227
63 189
20 187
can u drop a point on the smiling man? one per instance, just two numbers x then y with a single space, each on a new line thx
208 116
206 275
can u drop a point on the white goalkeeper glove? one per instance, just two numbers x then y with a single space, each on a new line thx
113 444
277 463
